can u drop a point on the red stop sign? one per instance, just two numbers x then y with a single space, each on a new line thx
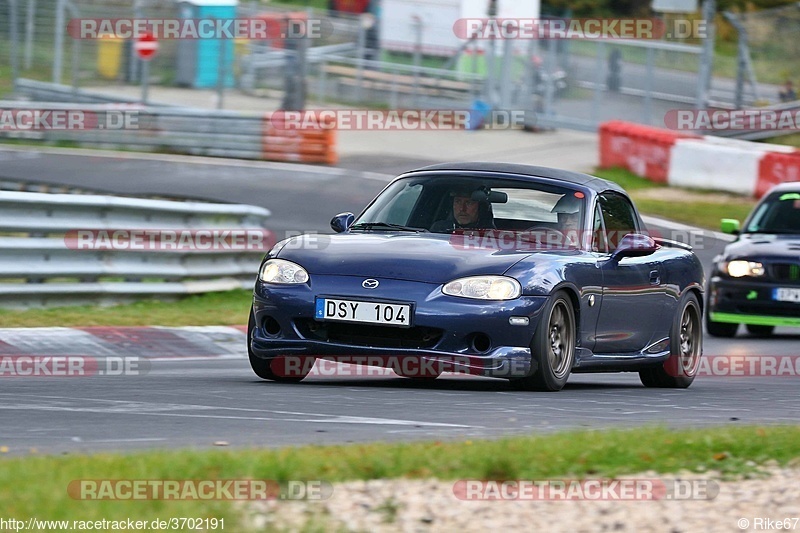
146 46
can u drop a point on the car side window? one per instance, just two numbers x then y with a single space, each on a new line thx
619 217
599 243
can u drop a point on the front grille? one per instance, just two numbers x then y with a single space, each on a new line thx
785 272
368 335
774 309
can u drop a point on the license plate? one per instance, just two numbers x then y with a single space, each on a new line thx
786 295
369 312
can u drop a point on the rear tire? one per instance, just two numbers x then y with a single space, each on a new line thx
721 329
686 348
266 368
760 331
552 347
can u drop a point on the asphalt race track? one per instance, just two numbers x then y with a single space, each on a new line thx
203 402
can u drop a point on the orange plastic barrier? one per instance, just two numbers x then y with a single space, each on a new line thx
313 142
643 150
777 168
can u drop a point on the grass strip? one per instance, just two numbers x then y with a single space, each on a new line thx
211 309
37 485
699 208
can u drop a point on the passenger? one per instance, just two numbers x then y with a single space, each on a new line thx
568 211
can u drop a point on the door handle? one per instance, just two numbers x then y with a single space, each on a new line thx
655 279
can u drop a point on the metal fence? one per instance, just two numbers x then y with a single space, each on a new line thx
573 83
773 41
629 80
40 263
36 34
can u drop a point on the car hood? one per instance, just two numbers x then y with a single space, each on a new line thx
764 246
425 257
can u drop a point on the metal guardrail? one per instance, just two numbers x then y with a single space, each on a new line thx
171 129
757 135
41 264
178 130
41 91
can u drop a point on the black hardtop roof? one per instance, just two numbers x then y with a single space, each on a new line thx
576 178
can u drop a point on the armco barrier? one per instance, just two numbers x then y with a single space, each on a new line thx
643 150
777 168
312 142
45 262
180 130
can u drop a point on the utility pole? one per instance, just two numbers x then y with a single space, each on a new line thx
490 81
707 57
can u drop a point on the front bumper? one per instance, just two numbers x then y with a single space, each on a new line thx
749 302
458 334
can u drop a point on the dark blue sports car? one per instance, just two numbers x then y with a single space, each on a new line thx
756 280
513 271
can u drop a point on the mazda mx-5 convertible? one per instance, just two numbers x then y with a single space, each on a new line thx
511 271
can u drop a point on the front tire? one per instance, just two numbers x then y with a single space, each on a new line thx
760 331
266 368
552 347
725 330
686 348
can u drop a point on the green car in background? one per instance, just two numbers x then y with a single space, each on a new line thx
756 280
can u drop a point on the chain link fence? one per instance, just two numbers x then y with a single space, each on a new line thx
773 39
572 83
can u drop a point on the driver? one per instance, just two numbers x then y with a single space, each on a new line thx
568 211
471 210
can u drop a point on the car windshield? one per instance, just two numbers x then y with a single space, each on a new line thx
444 204
779 213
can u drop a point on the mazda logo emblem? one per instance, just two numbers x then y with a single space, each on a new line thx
370 283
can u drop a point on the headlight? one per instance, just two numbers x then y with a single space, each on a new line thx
484 288
739 268
283 272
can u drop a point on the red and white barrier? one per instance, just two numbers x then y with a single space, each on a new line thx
643 150
693 161
777 168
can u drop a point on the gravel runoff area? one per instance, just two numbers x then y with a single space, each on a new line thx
430 505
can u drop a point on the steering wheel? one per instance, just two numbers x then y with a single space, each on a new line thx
558 232
556 237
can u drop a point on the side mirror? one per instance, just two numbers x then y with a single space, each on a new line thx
342 222
634 245
730 225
